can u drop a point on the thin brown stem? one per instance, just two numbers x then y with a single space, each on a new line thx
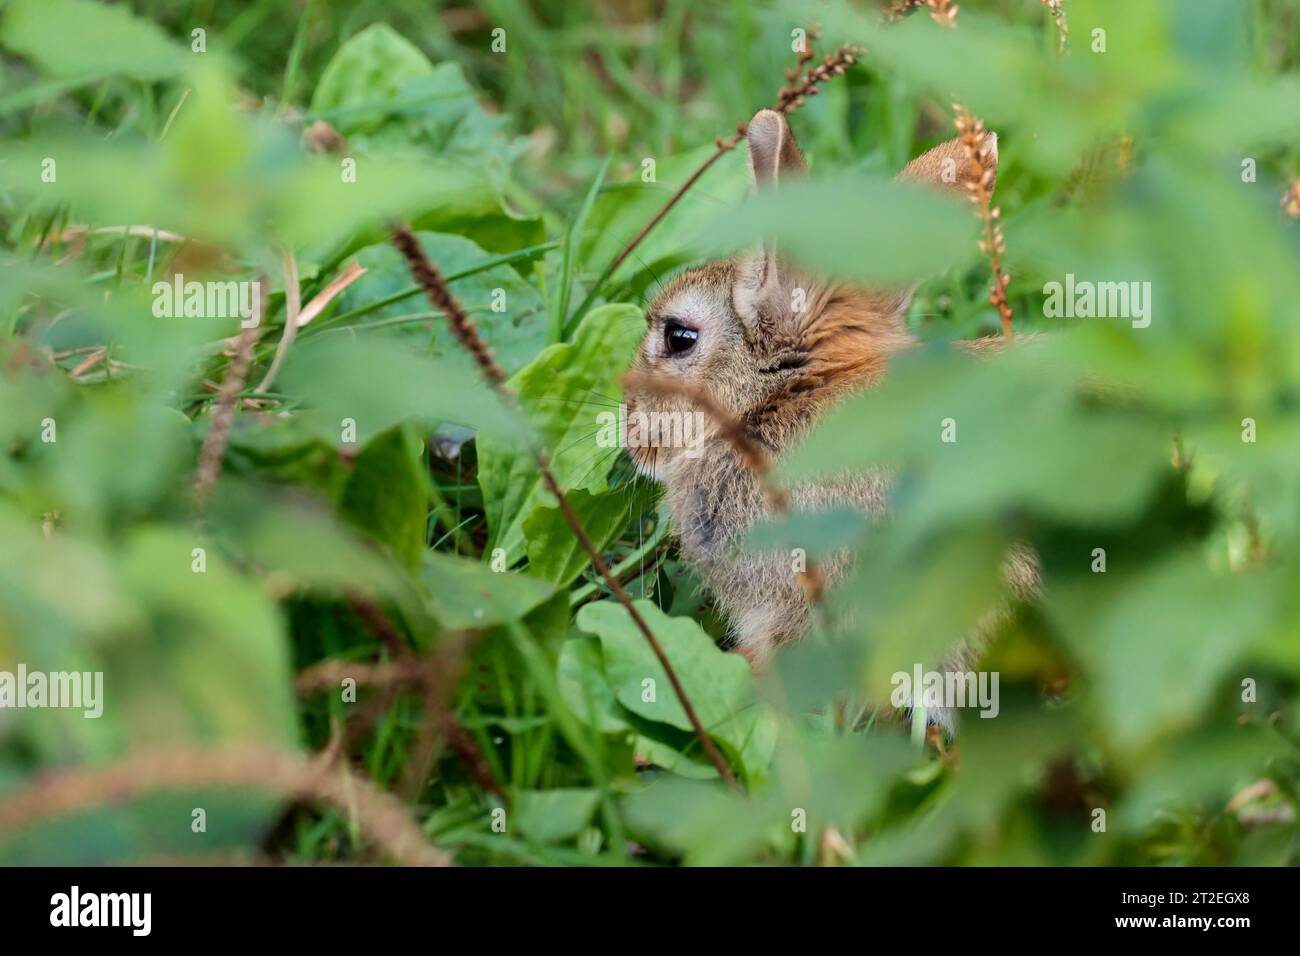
466 333
223 415
382 819
329 675
1057 9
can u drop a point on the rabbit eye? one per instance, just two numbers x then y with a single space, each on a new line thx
678 338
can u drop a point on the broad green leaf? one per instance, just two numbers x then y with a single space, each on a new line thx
571 392
554 553
580 676
719 685
554 816
516 332
368 70
204 662
975 436
1194 624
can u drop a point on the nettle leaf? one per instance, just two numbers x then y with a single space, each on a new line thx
386 495
465 594
1209 766
839 781
233 179
516 334
298 540
204 661
860 227
285 452
1008 754
818 533
34 598
720 685
888 605
369 384
84 41
317 208
1159 639
570 391
975 436
91 477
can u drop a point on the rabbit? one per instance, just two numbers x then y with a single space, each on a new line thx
731 327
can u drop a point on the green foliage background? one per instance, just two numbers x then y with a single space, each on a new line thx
521 171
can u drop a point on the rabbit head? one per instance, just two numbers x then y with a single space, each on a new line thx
771 342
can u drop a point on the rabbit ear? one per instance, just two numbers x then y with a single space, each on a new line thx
773 153
774 157
948 166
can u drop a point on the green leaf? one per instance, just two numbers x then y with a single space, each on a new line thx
204 661
1195 624
84 41
465 594
561 322
386 496
382 93
554 816
515 334
580 676
369 68
554 553
571 391
719 685
378 381
860 227
976 436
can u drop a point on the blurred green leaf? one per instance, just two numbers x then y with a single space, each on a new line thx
376 381
386 496
516 331
84 41
465 594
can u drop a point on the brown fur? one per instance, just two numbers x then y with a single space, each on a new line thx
776 370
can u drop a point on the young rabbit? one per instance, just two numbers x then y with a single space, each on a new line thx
732 327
